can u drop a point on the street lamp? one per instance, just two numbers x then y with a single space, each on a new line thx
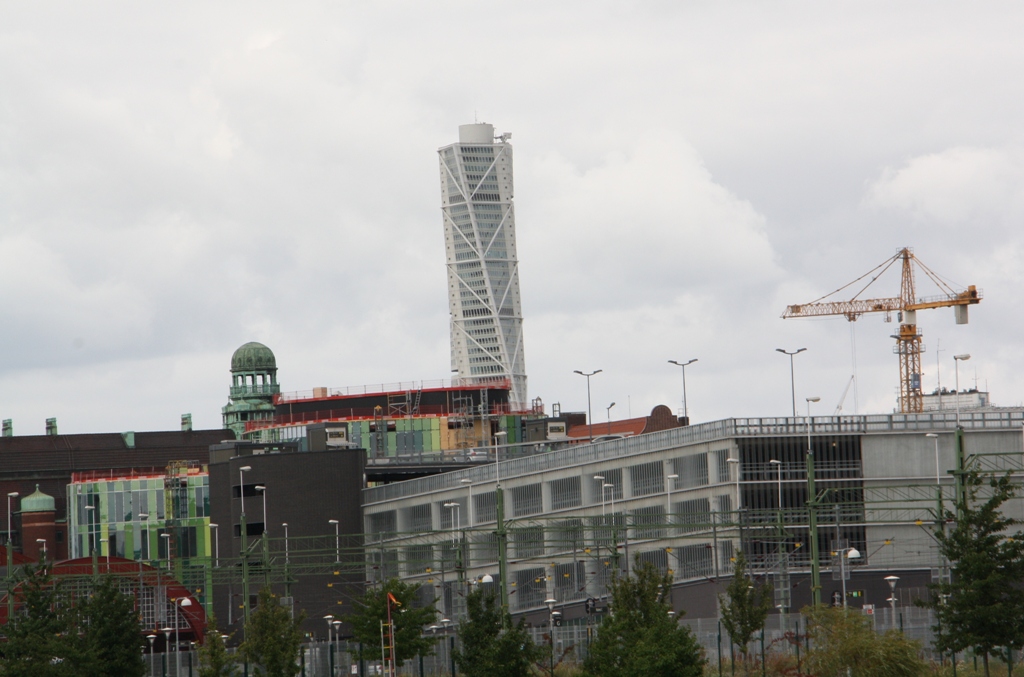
600 478
241 484
167 645
469 512
735 463
668 496
42 542
337 541
812 511
263 490
590 417
778 467
503 434
892 581
179 604
330 641
844 554
935 436
216 544
10 556
686 414
792 380
608 413
957 359
167 548
151 639
287 560
550 601
90 511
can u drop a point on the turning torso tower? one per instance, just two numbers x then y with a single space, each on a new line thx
480 248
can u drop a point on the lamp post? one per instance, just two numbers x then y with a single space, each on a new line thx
10 557
42 542
337 540
336 624
686 414
550 601
263 490
792 380
151 639
287 559
668 496
167 548
216 544
957 359
243 530
892 581
167 646
600 478
179 604
469 512
590 416
503 434
812 512
330 642
938 476
844 554
608 414
778 467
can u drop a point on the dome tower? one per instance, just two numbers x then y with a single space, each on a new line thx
253 386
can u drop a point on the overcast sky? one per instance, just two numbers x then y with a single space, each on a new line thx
177 179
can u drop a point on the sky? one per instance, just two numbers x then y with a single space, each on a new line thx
177 179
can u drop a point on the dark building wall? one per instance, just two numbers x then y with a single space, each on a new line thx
306 490
50 460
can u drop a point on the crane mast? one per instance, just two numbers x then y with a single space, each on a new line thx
908 341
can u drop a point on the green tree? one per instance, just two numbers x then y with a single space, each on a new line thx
745 606
982 605
214 659
273 638
844 643
44 638
640 638
409 620
113 631
491 648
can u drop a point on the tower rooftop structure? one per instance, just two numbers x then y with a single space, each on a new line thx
480 249
253 387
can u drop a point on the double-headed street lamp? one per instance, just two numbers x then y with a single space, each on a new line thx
590 415
792 380
686 414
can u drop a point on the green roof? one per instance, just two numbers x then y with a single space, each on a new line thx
38 502
253 357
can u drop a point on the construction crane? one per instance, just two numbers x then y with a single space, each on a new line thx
908 341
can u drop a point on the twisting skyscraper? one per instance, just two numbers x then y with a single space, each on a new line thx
480 248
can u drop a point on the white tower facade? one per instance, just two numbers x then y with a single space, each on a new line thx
480 248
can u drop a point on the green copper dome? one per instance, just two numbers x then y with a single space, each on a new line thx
253 357
38 502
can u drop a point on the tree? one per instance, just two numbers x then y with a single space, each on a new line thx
640 638
745 606
214 659
113 631
44 639
981 606
491 647
408 620
273 638
844 643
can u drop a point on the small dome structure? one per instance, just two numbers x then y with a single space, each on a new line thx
37 501
253 356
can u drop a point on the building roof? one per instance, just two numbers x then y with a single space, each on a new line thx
661 418
253 356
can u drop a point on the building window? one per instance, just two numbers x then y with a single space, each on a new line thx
565 493
647 478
